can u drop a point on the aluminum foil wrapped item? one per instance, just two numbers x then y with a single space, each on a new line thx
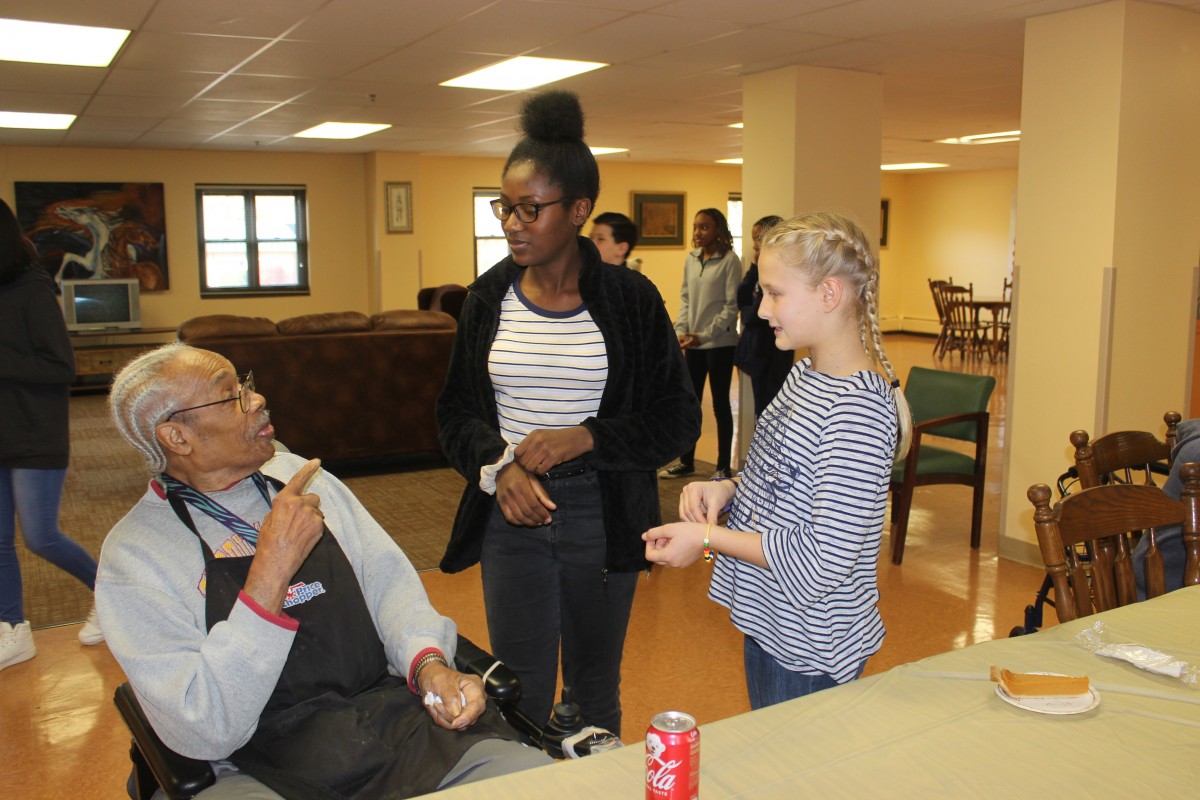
1098 639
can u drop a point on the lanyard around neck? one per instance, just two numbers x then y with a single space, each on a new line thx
199 500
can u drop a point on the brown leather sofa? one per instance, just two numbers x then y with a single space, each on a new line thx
341 386
448 297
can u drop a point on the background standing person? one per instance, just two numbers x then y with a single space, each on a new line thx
566 389
797 557
707 329
615 236
756 353
37 366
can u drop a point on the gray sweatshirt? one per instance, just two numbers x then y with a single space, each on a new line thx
204 691
708 299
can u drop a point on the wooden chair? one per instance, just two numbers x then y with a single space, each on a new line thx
1100 519
948 404
935 289
964 331
1003 323
1121 455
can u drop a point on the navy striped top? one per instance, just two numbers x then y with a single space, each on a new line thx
815 486
548 368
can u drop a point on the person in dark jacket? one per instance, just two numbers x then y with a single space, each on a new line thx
756 353
566 389
37 365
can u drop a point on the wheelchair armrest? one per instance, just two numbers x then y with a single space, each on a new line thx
501 686
179 776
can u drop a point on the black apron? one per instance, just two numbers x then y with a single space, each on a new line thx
338 725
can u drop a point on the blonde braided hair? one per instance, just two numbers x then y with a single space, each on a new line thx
828 245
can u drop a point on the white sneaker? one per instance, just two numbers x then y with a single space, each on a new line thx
90 633
16 643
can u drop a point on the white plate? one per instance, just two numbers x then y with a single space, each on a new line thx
1067 704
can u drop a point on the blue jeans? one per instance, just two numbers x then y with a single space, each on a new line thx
769 682
33 495
547 586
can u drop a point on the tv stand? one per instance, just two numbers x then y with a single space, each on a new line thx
98 358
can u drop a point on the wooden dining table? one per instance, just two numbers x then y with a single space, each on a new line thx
998 307
937 728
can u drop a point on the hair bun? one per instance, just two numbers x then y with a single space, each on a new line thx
553 116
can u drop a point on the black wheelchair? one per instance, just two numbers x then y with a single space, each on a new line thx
156 766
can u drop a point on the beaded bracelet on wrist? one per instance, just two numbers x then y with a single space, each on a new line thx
432 657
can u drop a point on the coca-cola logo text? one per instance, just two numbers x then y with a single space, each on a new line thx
661 779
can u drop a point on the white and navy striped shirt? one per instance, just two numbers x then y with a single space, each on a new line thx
815 486
548 368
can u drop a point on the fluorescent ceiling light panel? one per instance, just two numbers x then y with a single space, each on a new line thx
914 165
41 122
729 161
605 151
51 43
341 130
984 138
523 72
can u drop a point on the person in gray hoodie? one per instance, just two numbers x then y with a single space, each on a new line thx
706 327
1170 538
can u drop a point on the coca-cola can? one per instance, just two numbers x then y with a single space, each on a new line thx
673 757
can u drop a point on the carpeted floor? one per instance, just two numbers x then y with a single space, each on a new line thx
106 477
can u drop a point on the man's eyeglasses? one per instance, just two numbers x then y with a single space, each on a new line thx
526 212
243 398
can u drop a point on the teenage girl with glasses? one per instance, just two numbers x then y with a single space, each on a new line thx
566 390
796 560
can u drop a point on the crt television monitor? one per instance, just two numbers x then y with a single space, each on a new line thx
101 304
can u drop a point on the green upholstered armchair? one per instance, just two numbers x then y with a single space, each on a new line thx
952 405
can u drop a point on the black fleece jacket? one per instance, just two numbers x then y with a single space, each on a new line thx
648 412
37 365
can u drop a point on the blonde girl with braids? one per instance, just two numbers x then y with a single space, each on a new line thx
796 559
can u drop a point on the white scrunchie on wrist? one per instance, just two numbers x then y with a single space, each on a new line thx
488 472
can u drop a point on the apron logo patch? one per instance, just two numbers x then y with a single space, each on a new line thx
302 593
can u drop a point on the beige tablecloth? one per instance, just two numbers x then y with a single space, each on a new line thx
936 728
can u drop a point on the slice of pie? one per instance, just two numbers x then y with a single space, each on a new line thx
1026 684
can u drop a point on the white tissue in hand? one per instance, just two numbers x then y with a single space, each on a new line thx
1145 658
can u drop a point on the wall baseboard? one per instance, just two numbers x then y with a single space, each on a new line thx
897 324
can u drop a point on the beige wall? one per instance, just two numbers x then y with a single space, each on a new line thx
336 215
440 249
355 263
1107 236
944 224
951 223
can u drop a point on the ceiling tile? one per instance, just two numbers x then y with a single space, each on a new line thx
267 18
187 52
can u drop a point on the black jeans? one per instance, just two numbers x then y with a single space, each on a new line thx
717 365
546 585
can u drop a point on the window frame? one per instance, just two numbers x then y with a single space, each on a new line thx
249 193
735 228
489 193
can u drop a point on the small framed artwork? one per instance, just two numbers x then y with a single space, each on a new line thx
884 206
398 204
659 218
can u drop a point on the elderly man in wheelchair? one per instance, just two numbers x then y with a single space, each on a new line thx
264 619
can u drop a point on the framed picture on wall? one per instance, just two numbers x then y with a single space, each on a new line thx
97 230
659 218
398 205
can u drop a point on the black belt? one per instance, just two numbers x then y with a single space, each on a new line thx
568 471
